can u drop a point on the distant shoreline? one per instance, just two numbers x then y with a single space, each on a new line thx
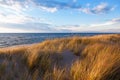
69 33
27 45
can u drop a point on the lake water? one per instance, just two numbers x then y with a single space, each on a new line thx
12 39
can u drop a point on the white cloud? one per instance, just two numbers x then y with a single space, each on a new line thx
11 30
111 22
13 5
53 6
99 9
48 9
108 26
21 23
50 6
71 28
19 19
16 19
13 18
86 10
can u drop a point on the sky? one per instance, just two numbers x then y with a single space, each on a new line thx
59 16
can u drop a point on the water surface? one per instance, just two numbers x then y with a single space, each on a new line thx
12 39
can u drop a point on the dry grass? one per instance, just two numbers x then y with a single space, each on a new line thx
99 59
100 63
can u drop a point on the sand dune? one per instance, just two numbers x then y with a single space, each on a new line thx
73 58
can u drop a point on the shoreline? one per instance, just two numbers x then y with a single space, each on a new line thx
19 46
31 44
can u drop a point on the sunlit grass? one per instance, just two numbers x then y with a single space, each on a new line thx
99 59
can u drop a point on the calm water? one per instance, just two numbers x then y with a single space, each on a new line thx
12 39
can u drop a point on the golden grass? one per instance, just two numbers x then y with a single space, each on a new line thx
103 64
99 59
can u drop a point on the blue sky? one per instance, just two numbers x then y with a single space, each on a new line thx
44 16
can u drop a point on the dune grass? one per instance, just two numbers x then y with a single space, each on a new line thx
99 59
